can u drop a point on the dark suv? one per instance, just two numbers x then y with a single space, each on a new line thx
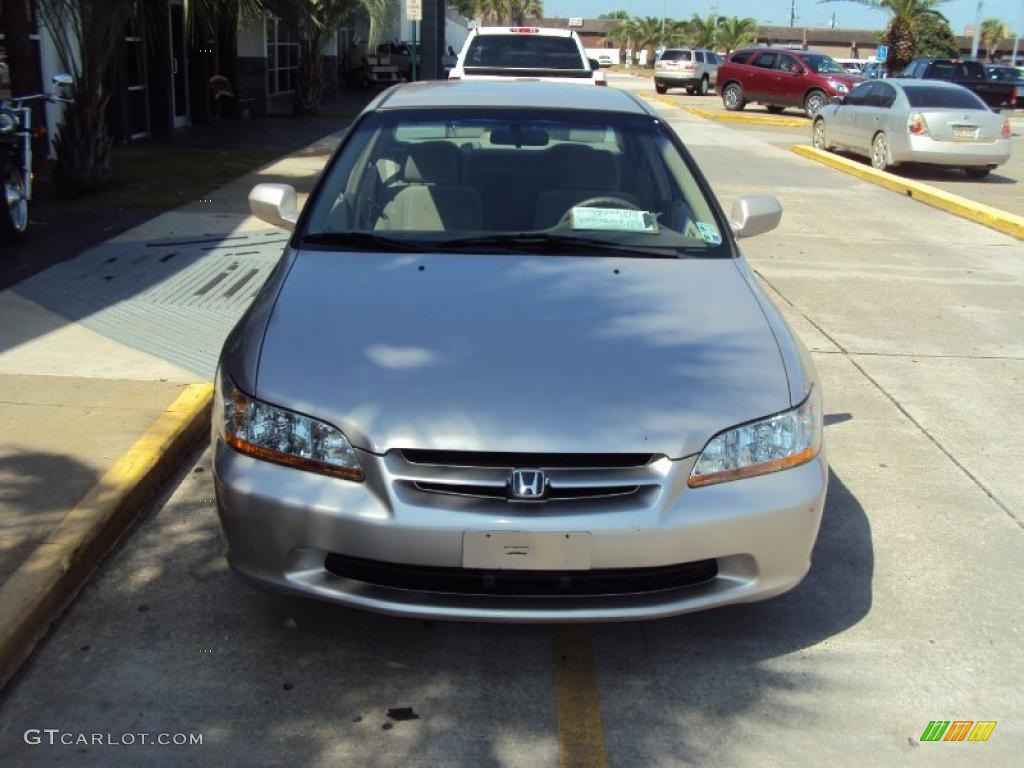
780 78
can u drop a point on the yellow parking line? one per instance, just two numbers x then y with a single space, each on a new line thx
739 117
1003 221
577 702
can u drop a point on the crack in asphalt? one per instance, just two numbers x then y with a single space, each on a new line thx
935 441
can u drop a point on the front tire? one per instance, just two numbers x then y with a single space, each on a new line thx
704 86
880 158
732 97
814 101
14 206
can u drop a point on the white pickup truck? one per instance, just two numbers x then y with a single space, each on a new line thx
526 53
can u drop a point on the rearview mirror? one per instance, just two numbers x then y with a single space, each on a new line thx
274 204
754 215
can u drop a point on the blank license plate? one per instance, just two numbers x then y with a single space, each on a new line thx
965 131
523 551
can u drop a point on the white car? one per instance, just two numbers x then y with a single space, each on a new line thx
695 69
526 53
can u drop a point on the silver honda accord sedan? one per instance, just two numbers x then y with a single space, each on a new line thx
512 366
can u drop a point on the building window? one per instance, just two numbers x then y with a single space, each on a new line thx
135 81
282 55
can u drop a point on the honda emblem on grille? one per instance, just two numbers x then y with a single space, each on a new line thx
528 484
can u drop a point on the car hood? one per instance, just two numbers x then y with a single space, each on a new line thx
521 353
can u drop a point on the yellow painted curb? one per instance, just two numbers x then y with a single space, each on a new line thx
1003 221
739 117
39 590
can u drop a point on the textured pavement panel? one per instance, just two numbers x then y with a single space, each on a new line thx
176 299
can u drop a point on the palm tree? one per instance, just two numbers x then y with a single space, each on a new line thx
704 30
992 33
317 21
85 34
647 34
678 33
620 15
383 14
901 33
622 36
734 32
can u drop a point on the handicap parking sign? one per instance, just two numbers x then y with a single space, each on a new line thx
882 53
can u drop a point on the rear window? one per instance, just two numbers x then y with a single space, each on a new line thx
1005 74
524 51
965 70
943 98
676 56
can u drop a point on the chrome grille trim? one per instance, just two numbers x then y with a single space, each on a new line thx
491 483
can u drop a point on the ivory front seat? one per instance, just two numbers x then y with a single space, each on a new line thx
433 199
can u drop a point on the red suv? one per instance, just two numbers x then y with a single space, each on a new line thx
780 78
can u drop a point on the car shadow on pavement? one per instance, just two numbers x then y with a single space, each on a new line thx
166 639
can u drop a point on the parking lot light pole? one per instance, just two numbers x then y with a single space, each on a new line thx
977 31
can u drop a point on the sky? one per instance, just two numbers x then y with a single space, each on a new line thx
809 12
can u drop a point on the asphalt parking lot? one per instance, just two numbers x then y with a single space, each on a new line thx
911 611
1003 188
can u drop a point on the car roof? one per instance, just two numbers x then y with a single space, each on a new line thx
512 94
542 31
905 81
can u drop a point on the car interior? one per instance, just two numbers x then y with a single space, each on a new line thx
482 182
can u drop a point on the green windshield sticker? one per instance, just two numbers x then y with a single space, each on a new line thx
709 233
614 219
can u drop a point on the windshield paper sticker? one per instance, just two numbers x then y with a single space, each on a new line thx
615 219
709 233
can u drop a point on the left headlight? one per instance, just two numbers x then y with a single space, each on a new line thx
768 445
271 433
8 122
840 87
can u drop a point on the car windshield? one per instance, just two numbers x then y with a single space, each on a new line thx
523 179
524 51
823 65
942 98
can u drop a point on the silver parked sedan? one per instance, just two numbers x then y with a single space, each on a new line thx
513 367
915 121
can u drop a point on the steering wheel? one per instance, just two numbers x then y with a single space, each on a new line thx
601 201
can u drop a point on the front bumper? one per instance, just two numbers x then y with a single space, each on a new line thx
924 149
281 526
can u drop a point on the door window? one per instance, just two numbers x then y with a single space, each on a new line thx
859 95
700 56
788 64
766 60
882 95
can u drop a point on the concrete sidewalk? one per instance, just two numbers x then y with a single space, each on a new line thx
105 369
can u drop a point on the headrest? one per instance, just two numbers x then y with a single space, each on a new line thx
433 162
586 168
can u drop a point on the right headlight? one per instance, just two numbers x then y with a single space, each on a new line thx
777 442
271 433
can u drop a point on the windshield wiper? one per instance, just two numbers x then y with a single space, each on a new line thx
364 241
534 242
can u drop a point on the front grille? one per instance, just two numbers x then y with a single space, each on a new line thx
509 460
553 494
470 581
597 477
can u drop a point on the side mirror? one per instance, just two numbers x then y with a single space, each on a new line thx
594 65
754 215
274 204
836 100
